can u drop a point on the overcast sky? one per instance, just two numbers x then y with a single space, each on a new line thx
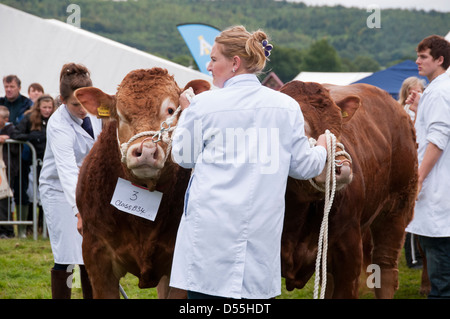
438 5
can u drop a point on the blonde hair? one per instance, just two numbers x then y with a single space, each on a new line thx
406 85
248 46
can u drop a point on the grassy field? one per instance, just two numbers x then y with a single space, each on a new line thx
25 274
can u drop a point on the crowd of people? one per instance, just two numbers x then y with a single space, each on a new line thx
62 141
23 118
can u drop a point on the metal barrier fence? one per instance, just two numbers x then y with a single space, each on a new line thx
33 199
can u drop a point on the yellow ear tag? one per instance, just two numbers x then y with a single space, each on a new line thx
344 114
103 111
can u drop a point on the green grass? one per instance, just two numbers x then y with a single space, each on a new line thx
25 274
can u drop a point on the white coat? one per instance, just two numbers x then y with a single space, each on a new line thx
67 146
243 141
432 210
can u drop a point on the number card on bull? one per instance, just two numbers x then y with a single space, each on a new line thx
136 200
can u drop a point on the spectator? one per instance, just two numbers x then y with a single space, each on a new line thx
13 100
410 84
432 211
18 105
10 160
35 90
32 128
413 83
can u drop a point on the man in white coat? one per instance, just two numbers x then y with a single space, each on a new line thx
432 212
68 143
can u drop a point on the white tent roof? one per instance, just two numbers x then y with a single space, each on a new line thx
338 78
35 50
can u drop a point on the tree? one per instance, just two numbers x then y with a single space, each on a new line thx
285 63
365 64
321 57
360 64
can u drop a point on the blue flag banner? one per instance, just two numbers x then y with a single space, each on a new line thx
199 39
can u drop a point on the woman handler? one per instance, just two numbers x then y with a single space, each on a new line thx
68 143
243 140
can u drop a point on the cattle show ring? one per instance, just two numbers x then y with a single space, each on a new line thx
343 233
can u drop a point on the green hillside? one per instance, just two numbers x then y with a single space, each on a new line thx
308 38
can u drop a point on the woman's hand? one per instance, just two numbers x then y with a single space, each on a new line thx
3 138
413 100
322 141
80 224
185 98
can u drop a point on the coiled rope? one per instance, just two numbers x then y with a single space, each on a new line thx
330 189
342 152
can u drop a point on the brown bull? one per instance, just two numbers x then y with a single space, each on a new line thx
116 242
368 217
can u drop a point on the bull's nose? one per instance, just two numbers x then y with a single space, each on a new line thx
342 169
145 153
146 150
344 173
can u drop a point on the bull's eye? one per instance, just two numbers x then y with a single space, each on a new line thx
170 110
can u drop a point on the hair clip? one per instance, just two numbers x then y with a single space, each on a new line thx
267 47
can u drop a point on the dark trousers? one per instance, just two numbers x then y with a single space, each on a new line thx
60 282
437 254
5 230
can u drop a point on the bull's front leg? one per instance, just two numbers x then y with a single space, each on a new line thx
167 292
344 266
100 267
388 231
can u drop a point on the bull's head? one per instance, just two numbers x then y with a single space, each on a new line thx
144 101
321 113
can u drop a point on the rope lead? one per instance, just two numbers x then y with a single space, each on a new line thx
330 188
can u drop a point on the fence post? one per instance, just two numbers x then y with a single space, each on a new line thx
35 177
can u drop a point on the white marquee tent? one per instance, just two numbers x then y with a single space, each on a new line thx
338 78
35 49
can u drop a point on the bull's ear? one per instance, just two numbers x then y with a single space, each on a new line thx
95 101
198 86
348 106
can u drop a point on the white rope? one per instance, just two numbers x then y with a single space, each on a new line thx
413 250
342 152
330 188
